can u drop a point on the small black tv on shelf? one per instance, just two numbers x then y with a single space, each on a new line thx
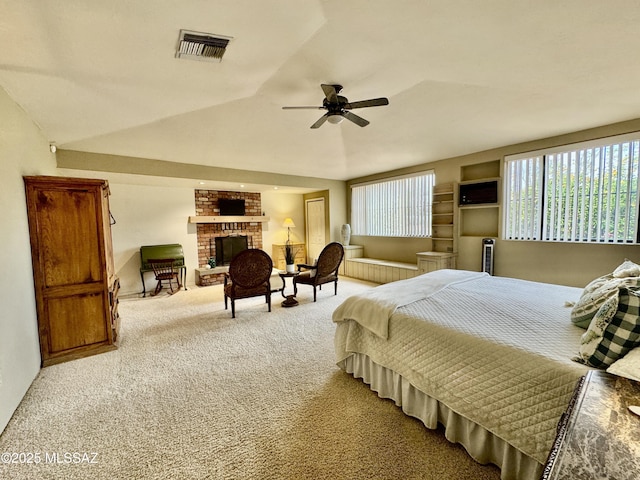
478 193
230 207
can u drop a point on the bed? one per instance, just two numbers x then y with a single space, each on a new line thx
490 358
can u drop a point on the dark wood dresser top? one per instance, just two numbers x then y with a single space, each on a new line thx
598 438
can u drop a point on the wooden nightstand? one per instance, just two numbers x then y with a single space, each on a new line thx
432 261
598 437
277 254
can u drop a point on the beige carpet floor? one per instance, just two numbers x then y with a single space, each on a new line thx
194 394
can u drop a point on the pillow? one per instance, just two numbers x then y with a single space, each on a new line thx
627 269
614 330
592 298
628 366
596 293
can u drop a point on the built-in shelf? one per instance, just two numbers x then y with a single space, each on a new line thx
480 219
227 219
480 180
443 218
479 205
480 171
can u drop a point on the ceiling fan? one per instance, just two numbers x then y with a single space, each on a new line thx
338 107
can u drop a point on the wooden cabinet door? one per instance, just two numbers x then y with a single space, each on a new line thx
70 266
75 321
68 240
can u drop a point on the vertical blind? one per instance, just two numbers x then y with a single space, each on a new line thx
397 207
585 193
523 198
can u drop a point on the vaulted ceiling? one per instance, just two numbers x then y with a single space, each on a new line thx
461 77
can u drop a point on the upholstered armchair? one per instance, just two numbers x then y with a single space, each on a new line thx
324 271
249 276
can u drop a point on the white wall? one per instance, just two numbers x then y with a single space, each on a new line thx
23 151
150 215
278 206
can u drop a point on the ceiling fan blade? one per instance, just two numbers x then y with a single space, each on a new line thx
374 102
321 120
355 119
331 92
303 108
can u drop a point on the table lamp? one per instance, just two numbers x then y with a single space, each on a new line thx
288 222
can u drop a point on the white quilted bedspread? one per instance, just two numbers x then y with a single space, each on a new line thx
495 350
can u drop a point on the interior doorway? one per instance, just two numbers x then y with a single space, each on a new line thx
316 239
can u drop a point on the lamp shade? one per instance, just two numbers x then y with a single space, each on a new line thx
288 223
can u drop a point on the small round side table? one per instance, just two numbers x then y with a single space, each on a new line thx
289 300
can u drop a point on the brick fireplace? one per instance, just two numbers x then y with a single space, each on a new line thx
206 202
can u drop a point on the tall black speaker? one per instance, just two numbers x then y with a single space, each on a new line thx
488 245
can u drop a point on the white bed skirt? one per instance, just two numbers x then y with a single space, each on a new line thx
482 445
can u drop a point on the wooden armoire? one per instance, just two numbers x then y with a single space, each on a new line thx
75 283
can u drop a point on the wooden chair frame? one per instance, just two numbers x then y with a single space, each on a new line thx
165 270
324 271
249 276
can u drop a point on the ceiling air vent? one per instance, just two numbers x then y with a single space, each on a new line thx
201 46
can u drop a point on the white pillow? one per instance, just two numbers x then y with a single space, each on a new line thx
628 366
593 296
627 269
602 289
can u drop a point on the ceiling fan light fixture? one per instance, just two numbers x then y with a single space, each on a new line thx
338 107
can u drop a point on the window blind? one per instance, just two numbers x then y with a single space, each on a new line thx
583 193
397 207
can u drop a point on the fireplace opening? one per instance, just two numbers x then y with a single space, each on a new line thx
229 247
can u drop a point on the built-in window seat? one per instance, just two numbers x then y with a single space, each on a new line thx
356 265
379 271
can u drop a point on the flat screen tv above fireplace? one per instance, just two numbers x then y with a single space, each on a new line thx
230 207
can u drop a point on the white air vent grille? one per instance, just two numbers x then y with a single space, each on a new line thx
202 46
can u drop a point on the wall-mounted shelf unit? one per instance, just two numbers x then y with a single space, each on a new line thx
443 221
227 219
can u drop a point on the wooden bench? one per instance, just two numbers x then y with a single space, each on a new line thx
385 271
379 271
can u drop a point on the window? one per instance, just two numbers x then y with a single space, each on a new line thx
585 192
396 207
